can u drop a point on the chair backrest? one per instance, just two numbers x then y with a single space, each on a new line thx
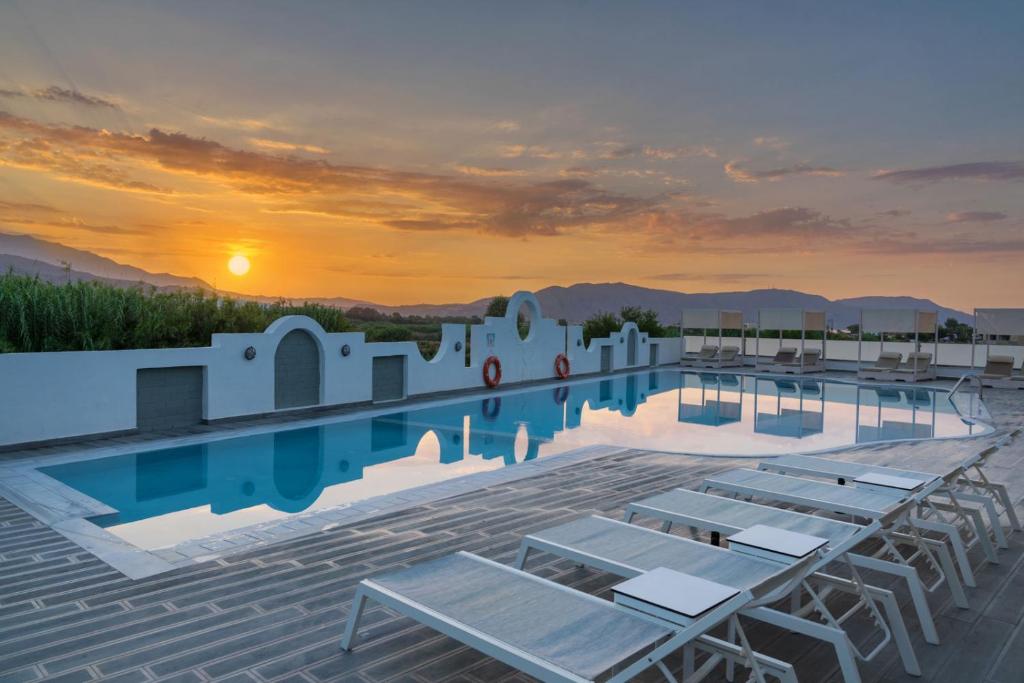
889 359
708 351
729 352
811 356
919 360
785 354
999 365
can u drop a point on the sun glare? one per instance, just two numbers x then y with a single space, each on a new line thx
238 265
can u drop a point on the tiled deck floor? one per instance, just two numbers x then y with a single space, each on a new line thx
275 614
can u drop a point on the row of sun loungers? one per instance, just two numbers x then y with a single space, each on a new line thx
889 367
710 356
787 360
780 568
998 373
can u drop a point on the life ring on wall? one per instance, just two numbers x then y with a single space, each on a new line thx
492 371
562 366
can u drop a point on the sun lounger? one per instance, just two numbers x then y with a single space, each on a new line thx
627 550
917 368
729 357
707 353
547 630
809 361
963 509
887 362
784 356
998 374
726 516
893 512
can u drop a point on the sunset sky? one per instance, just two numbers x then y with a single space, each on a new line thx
409 152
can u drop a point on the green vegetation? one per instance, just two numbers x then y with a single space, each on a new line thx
84 316
603 324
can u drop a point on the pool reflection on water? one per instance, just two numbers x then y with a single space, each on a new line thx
166 496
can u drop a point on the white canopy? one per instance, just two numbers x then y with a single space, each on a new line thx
898 320
791 319
999 321
712 319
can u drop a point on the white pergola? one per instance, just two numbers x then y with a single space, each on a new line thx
783 319
898 321
996 322
705 319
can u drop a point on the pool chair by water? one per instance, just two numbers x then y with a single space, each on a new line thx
918 368
627 550
999 374
728 357
707 354
555 633
809 361
888 361
894 514
722 516
783 359
947 504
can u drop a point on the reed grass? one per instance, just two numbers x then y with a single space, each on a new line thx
36 315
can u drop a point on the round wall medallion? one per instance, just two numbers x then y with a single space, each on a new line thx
250 352
458 346
622 340
345 350
579 342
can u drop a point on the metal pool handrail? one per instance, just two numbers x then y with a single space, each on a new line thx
968 377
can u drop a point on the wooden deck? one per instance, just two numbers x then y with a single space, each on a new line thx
276 614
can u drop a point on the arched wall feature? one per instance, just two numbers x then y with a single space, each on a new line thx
297 371
631 344
522 360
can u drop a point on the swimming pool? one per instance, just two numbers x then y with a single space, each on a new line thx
164 497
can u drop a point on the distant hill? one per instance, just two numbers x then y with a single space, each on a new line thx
86 262
576 303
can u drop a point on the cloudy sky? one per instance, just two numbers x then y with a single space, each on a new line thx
406 152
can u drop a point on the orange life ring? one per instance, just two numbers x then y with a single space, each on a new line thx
562 366
492 379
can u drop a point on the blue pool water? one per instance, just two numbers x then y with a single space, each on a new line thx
164 497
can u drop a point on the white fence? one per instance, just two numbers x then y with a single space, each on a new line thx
947 355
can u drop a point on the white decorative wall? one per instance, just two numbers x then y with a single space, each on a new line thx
45 396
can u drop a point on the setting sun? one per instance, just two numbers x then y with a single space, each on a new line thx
238 265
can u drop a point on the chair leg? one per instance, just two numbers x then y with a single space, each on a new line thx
524 552
914 586
887 600
358 604
834 636
959 550
993 516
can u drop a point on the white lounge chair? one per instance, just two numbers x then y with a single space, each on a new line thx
627 550
999 374
728 357
784 356
898 526
550 631
917 368
809 361
718 516
707 353
887 362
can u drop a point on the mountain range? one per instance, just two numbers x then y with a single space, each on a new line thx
55 262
